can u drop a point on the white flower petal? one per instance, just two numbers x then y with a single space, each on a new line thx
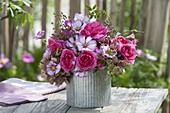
80 17
71 39
58 67
69 44
75 16
78 23
80 47
87 49
82 39
86 19
82 74
92 47
50 72
88 39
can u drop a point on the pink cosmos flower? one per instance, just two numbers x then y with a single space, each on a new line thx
68 29
85 43
39 35
87 60
54 44
40 77
150 57
81 17
79 22
4 61
107 52
95 30
47 53
139 53
27 58
79 73
71 43
52 68
67 60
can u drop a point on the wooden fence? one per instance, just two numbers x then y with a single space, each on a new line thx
153 20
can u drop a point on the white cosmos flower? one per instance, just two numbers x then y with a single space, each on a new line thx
84 43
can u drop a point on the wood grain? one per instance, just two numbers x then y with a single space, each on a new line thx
124 100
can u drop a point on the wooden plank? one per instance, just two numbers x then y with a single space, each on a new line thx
74 7
113 12
132 14
85 8
78 110
136 100
142 21
57 12
156 25
124 100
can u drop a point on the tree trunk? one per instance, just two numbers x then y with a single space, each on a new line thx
122 16
74 7
57 12
44 17
113 6
6 33
26 37
142 21
99 6
132 14
12 41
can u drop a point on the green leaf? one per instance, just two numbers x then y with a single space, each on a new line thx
13 6
0 6
94 7
27 3
31 20
24 20
88 7
11 12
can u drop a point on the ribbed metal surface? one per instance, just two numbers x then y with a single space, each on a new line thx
89 92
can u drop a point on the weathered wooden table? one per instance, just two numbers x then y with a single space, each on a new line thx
124 100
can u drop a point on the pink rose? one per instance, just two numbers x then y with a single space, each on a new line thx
67 60
87 60
129 52
95 30
122 40
54 44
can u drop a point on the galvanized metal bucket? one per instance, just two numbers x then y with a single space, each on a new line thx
92 91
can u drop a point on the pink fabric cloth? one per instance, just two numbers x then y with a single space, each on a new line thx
12 95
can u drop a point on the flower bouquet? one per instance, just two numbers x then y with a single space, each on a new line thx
84 54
